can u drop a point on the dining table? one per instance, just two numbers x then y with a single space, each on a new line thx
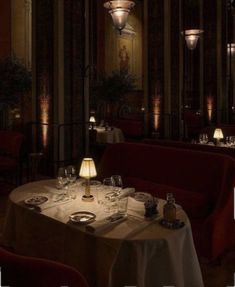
136 251
109 135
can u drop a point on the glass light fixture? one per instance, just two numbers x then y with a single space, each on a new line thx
119 11
191 37
87 171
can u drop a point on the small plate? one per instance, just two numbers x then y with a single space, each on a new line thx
141 196
82 217
177 224
36 200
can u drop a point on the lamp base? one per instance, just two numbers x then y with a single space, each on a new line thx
88 198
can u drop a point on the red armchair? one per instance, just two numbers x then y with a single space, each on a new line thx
11 143
21 271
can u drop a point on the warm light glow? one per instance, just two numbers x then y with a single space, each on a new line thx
156 112
128 30
88 169
92 119
231 49
218 134
209 107
44 103
119 10
191 37
44 107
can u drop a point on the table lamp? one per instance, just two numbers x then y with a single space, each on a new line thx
87 171
218 134
92 122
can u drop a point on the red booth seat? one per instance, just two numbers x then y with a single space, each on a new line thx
201 182
21 271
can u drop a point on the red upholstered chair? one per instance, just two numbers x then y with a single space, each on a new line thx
11 143
21 271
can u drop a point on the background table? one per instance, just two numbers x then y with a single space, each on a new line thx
136 252
109 136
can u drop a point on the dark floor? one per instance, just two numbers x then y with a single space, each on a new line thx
219 274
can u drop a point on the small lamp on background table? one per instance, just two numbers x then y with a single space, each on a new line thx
92 122
87 171
218 134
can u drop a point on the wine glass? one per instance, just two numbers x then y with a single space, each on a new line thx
203 138
109 187
62 179
62 182
117 181
71 177
109 194
71 174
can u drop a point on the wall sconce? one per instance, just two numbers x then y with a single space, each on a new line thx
209 107
156 111
87 171
218 134
119 11
191 37
231 49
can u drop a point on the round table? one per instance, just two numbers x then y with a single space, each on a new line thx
114 135
135 252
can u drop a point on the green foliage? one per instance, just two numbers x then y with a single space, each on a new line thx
15 80
113 87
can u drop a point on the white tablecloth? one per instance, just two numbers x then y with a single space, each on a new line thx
136 252
109 136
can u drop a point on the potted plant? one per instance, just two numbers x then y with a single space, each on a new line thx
15 80
15 83
111 89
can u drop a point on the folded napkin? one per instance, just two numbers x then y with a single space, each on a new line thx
126 192
106 223
135 208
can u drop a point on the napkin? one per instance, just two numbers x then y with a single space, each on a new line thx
106 223
126 192
135 208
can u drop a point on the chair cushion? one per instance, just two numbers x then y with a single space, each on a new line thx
195 204
7 163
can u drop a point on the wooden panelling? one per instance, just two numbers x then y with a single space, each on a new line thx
5 28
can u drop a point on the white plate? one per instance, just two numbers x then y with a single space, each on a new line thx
82 217
141 196
36 200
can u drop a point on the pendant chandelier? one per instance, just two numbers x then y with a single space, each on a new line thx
119 11
191 37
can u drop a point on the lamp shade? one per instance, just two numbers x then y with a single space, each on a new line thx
119 16
119 11
92 119
218 134
88 169
191 37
